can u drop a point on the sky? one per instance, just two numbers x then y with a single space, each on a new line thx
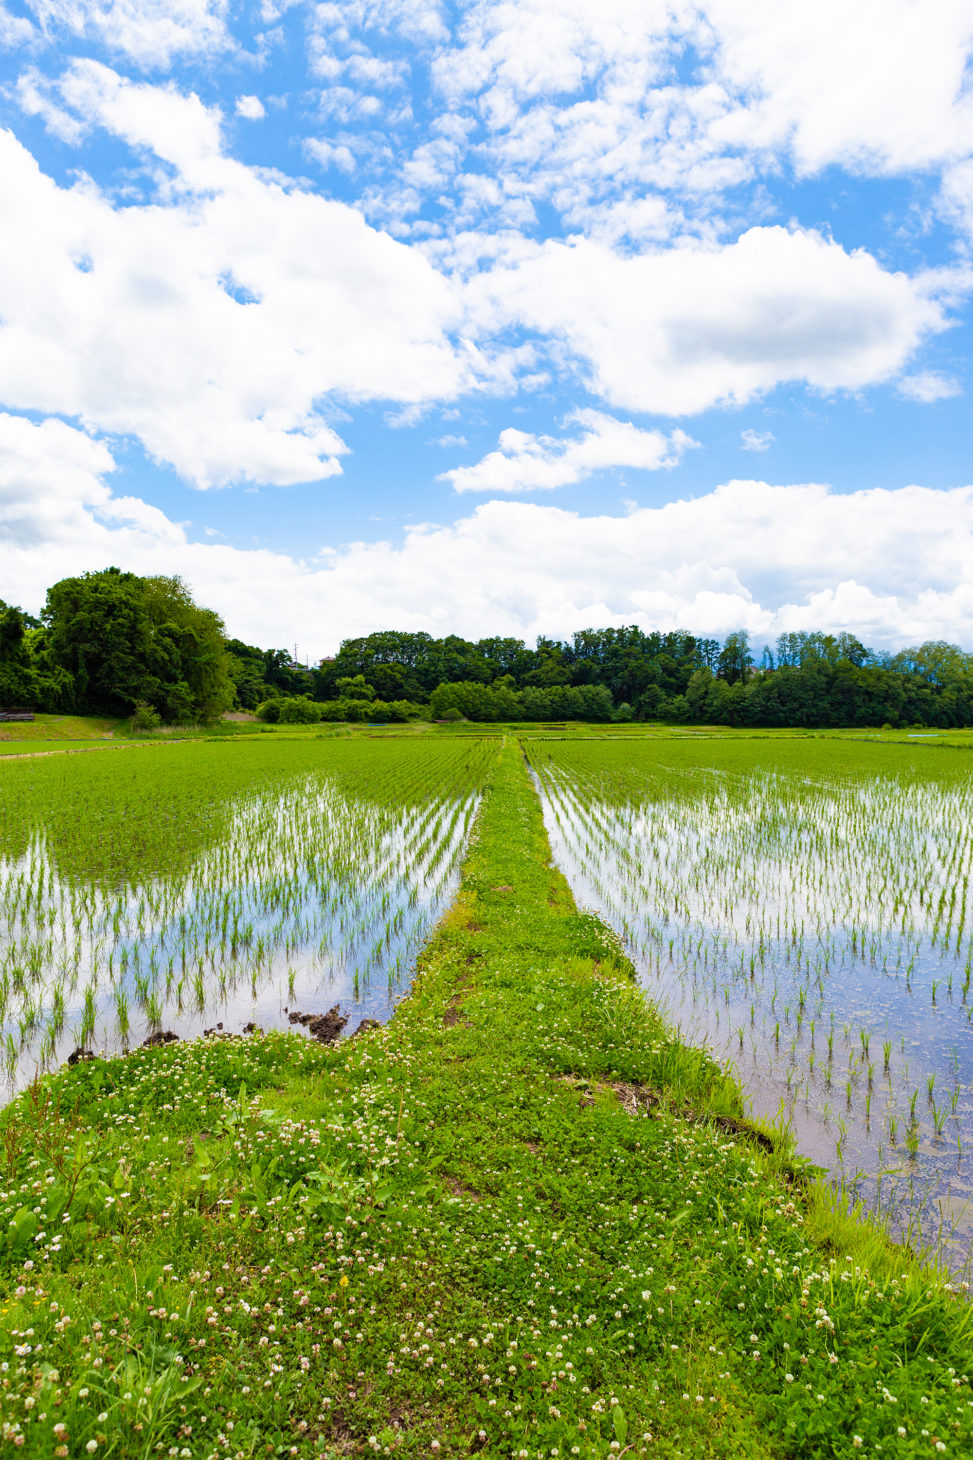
493 317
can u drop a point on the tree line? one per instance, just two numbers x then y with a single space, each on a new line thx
114 643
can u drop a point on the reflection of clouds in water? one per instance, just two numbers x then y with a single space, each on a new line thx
818 937
309 894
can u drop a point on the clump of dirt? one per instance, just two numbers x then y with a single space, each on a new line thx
252 1028
326 1028
77 1055
504 887
160 1037
364 1027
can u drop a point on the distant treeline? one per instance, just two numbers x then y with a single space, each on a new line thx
112 643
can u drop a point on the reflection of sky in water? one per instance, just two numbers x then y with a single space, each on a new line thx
768 917
309 900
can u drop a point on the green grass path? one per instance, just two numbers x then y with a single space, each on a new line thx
520 1220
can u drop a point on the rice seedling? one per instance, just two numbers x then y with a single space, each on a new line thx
817 887
195 886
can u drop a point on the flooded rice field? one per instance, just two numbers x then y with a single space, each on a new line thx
182 889
804 909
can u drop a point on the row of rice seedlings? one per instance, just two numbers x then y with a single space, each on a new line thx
324 880
815 930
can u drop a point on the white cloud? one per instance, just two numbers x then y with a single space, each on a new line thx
224 314
880 85
756 440
15 30
53 495
525 462
893 566
928 386
151 33
251 108
595 105
330 154
957 196
676 331
212 323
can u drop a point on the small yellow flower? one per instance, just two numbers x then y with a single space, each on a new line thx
343 1280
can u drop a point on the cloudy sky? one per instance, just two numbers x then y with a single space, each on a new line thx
495 316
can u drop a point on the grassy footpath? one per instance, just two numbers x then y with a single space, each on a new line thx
519 1220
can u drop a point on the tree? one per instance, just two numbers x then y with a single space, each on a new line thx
355 687
126 639
736 660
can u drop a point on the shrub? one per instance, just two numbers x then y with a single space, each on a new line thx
298 711
145 718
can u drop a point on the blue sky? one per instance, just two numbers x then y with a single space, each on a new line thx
493 317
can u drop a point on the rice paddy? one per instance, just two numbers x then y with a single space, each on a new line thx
181 887
804 909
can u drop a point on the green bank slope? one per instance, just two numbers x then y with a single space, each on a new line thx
517 1221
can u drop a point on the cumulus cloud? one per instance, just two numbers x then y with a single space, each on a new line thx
874 86
756 440
216 319
212 321
678 330
895 566
593 105
53 496
251 108
150 33
929 385
330 154
525 462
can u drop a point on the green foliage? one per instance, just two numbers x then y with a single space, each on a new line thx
375 712
298 711
125 639
355 687
144 719
483 702
262 674
813 679
111 638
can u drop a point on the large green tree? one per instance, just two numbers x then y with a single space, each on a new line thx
124 638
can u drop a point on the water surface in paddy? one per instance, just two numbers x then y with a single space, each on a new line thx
817 938
308 899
